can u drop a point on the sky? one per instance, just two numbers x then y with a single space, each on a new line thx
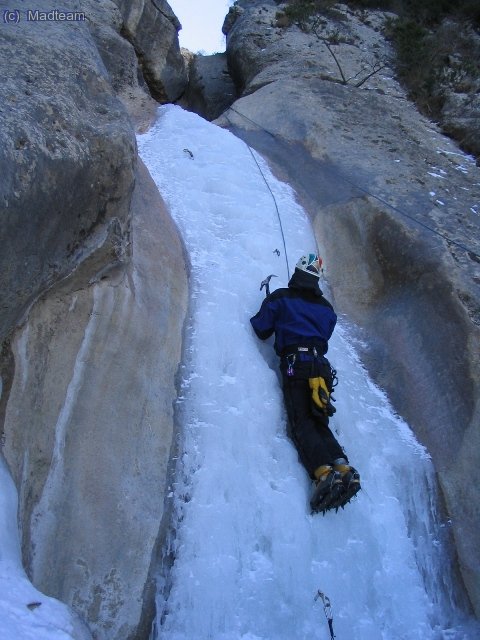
202 22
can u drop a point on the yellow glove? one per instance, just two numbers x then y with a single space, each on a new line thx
320 393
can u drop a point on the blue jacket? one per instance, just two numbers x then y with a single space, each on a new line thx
299 316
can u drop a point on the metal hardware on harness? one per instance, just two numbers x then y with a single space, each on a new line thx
290 364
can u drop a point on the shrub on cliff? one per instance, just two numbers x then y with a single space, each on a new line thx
300 12
437 51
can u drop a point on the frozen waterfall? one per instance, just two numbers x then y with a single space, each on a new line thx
249 557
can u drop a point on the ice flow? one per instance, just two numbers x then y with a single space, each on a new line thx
249 557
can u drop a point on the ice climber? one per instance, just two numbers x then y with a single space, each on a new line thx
303 321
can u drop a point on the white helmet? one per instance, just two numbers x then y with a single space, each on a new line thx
310 263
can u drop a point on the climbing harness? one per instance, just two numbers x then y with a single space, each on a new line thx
322 386
327 608
322 380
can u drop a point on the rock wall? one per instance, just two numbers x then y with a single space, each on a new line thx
105 23
210 89
94 284
394 206
152 27
89 425
67 156
457 83
93 298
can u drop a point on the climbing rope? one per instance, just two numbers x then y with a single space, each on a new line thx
275 203
276 208
473 254
325 599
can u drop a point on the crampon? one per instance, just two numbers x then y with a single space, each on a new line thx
335 491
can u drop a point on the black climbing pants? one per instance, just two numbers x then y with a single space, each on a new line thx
315 443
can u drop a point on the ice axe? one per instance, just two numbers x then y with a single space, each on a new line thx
266 283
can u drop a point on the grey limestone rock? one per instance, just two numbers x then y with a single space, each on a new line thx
89 424
461 119
152 28
457 84
93 296
120 59
210 89
67 157
233 13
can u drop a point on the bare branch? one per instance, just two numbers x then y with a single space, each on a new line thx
376 67
344 80
330 50
359 84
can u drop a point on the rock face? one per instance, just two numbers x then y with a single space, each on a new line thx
94 284
89 425
152 29
118 55
138 43
67 158
93 298
210 90
394 206
459 87
446 80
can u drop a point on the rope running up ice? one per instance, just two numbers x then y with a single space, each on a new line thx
274 201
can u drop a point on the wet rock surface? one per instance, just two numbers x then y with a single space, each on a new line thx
395 209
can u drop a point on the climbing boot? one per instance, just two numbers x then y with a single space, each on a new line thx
328 490
350 479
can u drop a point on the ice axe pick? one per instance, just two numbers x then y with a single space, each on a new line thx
266 283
